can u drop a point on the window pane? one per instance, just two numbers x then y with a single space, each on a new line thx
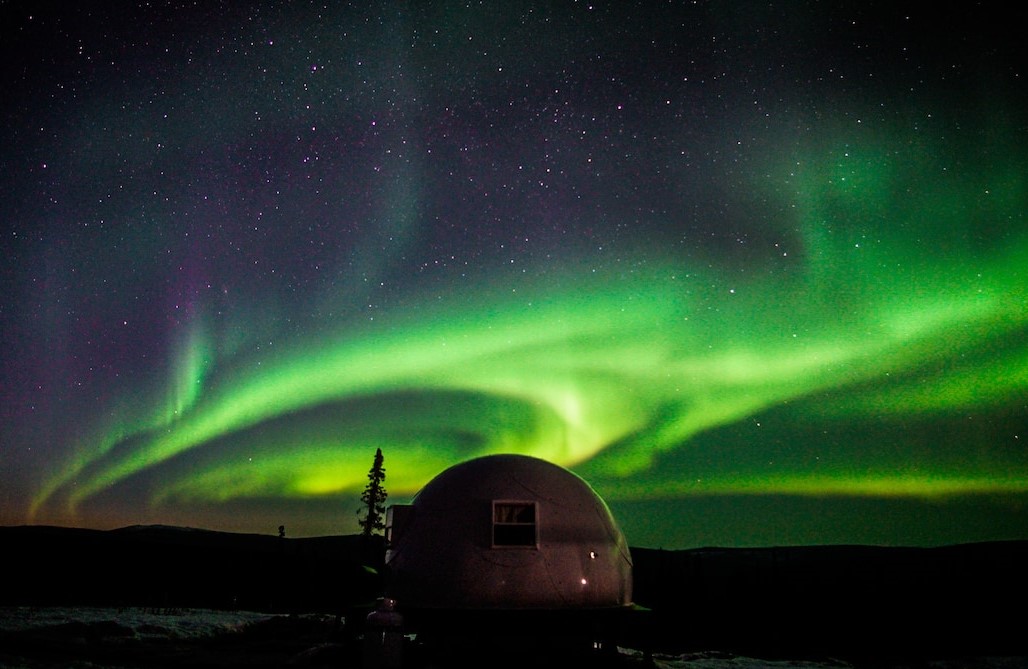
516 512
514 524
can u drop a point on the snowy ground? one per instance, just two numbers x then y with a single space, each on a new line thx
97 638
101 638
135 622
717 660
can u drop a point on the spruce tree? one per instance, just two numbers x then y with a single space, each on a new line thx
374 497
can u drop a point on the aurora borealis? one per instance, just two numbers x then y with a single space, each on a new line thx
758 272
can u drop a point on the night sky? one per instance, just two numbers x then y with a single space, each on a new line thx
757 271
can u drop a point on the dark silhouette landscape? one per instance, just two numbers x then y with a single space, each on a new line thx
863 605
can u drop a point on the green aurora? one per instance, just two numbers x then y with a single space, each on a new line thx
893 291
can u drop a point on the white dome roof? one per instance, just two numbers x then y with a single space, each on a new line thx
508 532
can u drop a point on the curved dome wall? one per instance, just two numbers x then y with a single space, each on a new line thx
508 532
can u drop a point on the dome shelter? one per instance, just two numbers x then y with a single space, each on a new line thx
507 533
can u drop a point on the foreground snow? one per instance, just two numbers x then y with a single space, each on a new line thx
717 660
98 638
138 623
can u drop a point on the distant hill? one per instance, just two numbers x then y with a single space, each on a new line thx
161 566
852 600
812 600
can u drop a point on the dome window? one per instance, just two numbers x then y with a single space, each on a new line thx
514 524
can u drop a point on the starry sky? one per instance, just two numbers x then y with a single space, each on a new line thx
758 271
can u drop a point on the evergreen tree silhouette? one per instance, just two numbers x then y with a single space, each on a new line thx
374 497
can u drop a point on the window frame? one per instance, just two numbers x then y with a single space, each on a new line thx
514 527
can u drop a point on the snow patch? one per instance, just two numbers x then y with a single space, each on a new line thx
129 622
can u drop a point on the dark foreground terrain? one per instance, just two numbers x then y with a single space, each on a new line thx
165 597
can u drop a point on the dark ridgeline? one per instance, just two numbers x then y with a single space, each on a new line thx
817 601
170 567
851 601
